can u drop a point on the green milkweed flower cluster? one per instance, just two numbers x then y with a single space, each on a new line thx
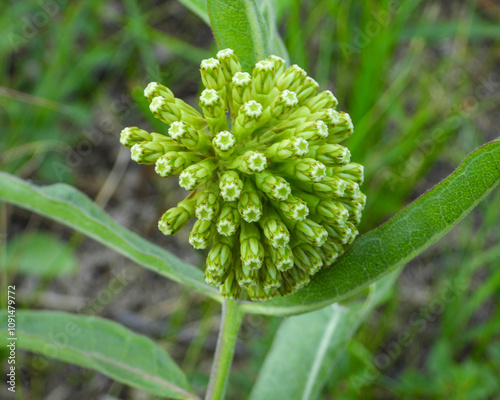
271 187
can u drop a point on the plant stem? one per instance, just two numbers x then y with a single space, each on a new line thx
229 327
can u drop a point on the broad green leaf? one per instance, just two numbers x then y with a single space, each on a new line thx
311 343
67 205
239 25
398 240
199 7
40 254
101 345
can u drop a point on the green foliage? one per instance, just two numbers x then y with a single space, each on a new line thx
399 240
311 344
103 346
239 25
40 254
65 204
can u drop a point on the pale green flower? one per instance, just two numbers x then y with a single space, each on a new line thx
275 195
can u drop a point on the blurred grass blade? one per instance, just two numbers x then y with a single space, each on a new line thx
199 7
100 345
239 25
311 344
400 239
69 206
40 254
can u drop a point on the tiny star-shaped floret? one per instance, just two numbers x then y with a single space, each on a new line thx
225 53
224 140
251 213
300 145
256 162
241 78
264 65
321 129
289 98
210 63
231 191
252 109
209 97
281 190
177 130
187 180
157 104
151 89
204 212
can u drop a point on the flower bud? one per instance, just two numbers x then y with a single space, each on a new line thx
330 251
297 277
155 89
342 234
175 218
174 162
330 154
230 288
224 143
259 293
329 186
307 258
230 185
291 79
288 149
202 234
220 256
213 279
275 187
241 89
354 208
263 78
229 219
134 135
185 134
230 63
332 211
269 277
248 116
197 174
352 171
308 89
304 169
169 111
322 100
284 104
246 276
250 205
250 163
212 74
207 204
313 131
251 249
340 126
308 231
281 257
279 65
149 152
293 208
213 107
274 229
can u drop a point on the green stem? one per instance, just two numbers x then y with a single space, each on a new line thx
229 327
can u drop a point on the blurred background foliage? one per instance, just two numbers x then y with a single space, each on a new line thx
421 80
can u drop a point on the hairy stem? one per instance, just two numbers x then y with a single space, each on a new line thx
230 325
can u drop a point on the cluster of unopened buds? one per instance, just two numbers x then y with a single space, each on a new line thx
271 187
